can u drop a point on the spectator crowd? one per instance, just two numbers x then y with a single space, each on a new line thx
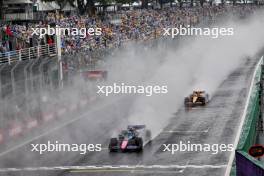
118 28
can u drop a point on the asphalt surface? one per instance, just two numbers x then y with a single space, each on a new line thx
215 123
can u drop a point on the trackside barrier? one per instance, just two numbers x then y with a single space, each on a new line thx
1 137
245 164
17 129
48 117
31 123
248 135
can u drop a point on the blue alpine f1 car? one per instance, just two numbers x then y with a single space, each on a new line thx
131 139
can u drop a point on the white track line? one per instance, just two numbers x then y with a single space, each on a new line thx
157 172
183 131
232 155
131 167
138 164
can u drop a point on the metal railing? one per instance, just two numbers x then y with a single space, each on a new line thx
19 16
28 54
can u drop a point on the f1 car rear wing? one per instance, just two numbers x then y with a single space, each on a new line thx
94 74
137 127
198 91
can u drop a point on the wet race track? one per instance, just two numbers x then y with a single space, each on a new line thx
216 123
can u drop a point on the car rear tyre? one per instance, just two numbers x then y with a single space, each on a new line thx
113 145
186 101
139 142
203 101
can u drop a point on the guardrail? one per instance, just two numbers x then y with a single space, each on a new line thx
246 165
28 53
19 16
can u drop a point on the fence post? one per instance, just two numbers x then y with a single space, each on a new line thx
26 78
31 78
38 51
60 69
19 55
1 98
1 68
9 59
41 71
29 53
48 50
13 79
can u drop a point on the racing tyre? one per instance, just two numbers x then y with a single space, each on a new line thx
203 101
186 101
113 145
139 143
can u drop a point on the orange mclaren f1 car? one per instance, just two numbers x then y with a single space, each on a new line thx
197 98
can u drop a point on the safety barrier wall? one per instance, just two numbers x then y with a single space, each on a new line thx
248 135
17 128
246 165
